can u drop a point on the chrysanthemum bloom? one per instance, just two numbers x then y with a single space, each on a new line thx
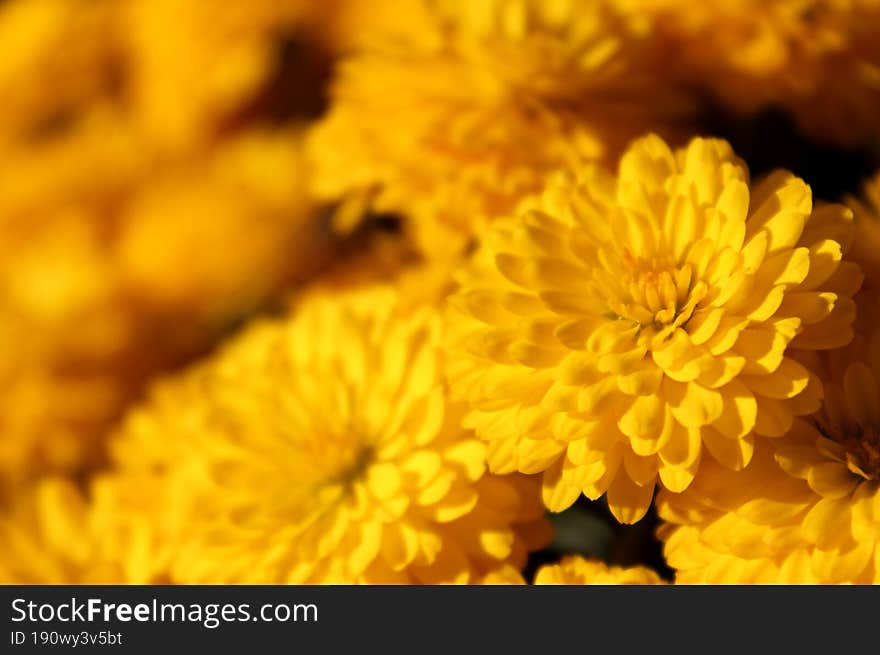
807 509
817 58
324 449
47 537
344 26
453 121
57 54
63 322
745 50
242 206
56 385
218 57
840 106
740 527
136 227
577 570
113 267
616 328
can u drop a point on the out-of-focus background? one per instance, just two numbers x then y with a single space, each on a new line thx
152 196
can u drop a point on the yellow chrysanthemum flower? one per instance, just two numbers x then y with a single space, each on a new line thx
243 207
615 326
217 57
840 106
57 54
47 537
740 527
322 449
741 47
451 122
807 509
99 285
577 570
57 388
345 26
816 58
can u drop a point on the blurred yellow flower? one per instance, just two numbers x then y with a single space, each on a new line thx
323 449
840 106
819 59
242 207
577 570
345 26
117 262
57 389
195 64
615 326
47 537
452 121
747 46
57 55
807 509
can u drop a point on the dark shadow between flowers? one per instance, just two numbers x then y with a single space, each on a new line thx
770 140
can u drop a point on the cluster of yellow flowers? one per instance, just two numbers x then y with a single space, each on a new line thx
483 264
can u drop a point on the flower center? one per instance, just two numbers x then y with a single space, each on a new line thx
861 443
863 449
354 466
656 296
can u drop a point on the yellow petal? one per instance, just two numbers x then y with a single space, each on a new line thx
677 479
557 493
367 548
400 544
652 443
704 323
469 455
831 480
683 448
810 306
827 522
836 566
628 501
497 543
644 418
797 459
735 454
438 488
642 470
536 455
787 381
754 251
643 381
534 356
692 404
862 394
383 480
420 468
501 455
824 258
729 330
774 417
788 267
764 347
